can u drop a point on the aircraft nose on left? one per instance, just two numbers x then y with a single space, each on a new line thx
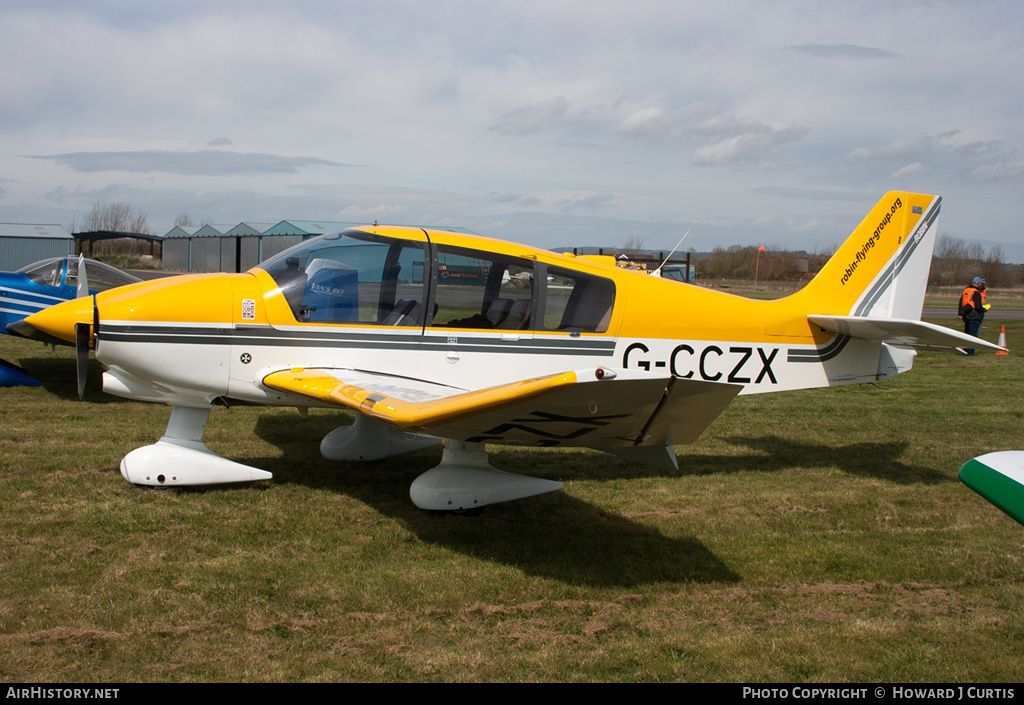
59 321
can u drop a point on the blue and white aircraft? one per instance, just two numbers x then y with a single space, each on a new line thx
47 283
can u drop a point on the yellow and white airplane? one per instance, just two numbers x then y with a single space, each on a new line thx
433 334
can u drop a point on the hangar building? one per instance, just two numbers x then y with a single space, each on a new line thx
22 244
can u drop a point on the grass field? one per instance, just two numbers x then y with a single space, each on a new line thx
809 536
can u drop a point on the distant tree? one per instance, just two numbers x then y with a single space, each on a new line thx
817 259
634 245
184 221
742 262
994 271
733 262
955 263
116 216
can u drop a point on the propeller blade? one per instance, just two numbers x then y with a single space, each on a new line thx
83 279
95 325
86 337
82 335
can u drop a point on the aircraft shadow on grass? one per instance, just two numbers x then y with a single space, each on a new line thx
57 374
554 536
558 536
879 460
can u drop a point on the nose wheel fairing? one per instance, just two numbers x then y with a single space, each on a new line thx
181 459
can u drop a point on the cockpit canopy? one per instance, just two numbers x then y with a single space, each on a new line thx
63 271
369 279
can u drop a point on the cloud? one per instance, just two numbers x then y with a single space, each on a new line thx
998 172
513 198
980 160
993 148
653 121
843 51
378 212
910 171
206 162
647 122
530 118
829 193
506 197
586 203
898 151
745 140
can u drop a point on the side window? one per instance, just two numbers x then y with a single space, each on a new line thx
478 289
576 301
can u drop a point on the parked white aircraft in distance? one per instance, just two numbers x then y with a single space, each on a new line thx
431 334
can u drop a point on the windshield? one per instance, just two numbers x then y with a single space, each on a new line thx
353 277
48 272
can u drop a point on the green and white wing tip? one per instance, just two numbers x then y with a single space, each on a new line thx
999 478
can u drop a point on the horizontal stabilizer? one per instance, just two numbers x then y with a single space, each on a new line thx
900 332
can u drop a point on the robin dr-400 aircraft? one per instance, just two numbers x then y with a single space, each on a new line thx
432 334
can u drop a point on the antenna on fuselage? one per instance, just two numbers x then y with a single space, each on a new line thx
656 272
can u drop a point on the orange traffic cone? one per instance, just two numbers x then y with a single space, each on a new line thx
1002 341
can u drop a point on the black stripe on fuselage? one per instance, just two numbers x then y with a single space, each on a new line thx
267 336
832 349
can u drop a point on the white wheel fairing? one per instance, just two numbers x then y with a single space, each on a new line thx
465 480
176 463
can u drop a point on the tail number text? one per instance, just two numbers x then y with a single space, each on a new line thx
710 363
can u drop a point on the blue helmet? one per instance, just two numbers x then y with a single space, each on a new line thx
977 281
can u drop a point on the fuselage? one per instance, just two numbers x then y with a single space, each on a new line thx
431 334
441 307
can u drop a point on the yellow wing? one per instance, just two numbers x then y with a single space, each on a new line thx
596 407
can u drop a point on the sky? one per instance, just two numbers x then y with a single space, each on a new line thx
557 123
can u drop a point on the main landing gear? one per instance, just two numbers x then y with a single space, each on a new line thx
463 482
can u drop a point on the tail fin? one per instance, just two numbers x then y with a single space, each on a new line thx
881 270
873 287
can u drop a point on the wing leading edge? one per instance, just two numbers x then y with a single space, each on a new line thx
596 407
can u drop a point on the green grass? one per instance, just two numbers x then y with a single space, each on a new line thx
819 535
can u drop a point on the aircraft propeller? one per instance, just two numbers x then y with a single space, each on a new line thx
83 278
85 338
